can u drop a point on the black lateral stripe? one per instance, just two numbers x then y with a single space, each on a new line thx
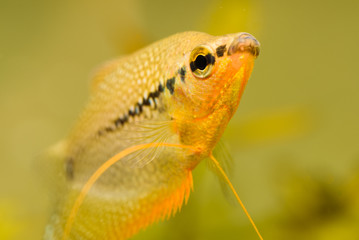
161 88
182 73
121 121
132 113
210 58
69 168
154 94
192 66
146 102
220 50
109 129
170 84
138 110
118 122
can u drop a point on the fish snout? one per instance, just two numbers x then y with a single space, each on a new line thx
245 42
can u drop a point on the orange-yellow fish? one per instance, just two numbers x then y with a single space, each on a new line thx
177 96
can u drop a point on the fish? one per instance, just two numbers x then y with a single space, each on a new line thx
152 117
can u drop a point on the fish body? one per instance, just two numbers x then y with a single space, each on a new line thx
183 90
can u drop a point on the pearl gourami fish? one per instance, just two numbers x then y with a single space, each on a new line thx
151 118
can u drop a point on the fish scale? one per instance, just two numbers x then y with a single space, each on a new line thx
156 94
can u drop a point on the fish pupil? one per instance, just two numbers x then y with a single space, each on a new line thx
201 62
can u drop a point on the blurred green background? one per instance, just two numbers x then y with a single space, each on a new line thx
294 139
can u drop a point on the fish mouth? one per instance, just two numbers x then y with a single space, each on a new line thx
245 42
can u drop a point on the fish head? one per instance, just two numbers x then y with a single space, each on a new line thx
209 92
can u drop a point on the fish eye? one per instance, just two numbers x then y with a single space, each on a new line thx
202 61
